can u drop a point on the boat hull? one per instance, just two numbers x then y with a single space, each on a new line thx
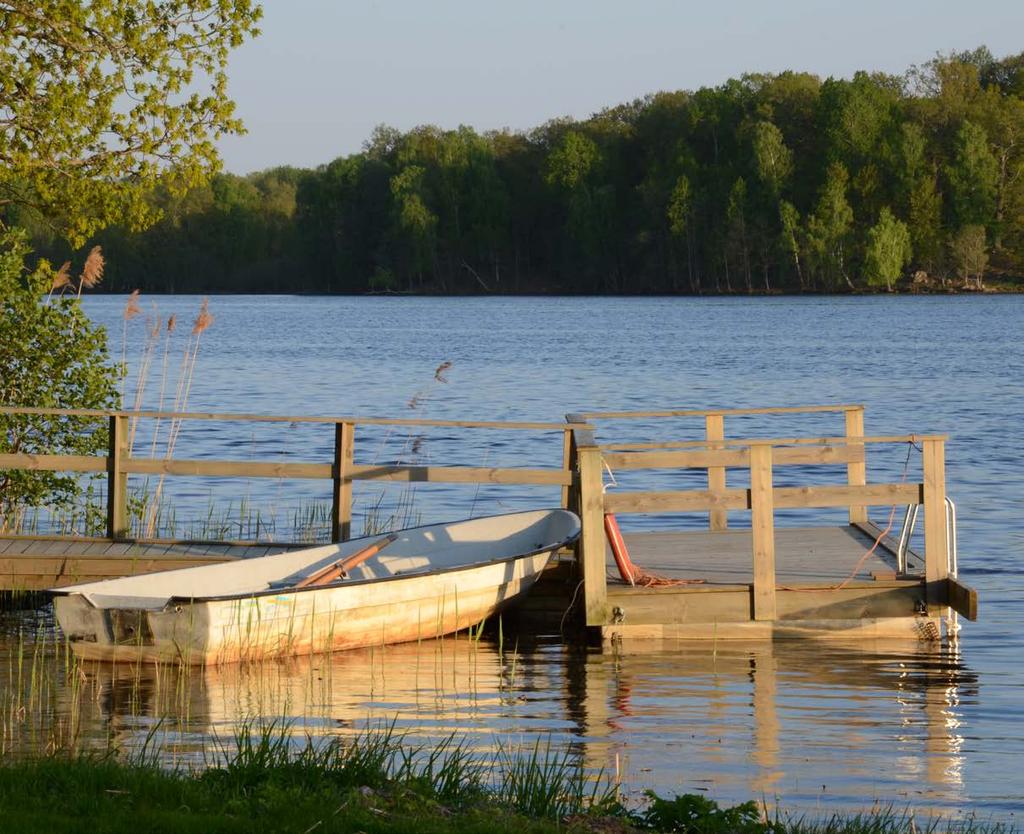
205 632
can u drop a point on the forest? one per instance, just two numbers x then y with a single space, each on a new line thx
767 183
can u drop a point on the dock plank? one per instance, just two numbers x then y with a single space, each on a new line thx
803 555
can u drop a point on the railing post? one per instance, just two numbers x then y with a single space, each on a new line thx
936 543
568 462
592 537
762 523
856 470
715 431
117 478
341 502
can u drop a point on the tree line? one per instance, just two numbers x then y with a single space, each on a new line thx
766 183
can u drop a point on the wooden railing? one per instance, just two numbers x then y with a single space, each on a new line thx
342 470
760 456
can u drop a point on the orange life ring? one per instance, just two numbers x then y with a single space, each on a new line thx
627 570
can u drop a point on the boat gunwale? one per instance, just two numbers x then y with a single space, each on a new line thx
346 583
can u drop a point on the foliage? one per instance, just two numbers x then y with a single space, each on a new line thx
969 251
99 105
766 182
695 814
888 251
51 356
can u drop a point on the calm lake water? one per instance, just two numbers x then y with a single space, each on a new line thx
815 728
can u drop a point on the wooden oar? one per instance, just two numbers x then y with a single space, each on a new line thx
337 570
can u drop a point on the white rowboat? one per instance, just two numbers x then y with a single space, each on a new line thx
427 582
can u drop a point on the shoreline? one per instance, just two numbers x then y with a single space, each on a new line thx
376 783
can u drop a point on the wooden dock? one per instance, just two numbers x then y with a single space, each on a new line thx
759 581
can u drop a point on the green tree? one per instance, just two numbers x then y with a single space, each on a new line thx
888 250
973 176
773 158
968 249
99 108
99 104
829 226
51 356
789 220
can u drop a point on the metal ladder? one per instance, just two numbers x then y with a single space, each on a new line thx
952 565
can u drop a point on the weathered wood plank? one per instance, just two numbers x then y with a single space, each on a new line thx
462 475
762 524
341 498
678 460
693 604
804 456
784 498
275 418
689 412
856 468
936 546
682 501
592 537
117 479
54 463
841 496
882 628
737 442
714 432
962 598
228 468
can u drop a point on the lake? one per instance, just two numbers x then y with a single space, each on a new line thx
815 728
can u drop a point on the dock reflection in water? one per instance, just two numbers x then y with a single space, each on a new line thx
810 725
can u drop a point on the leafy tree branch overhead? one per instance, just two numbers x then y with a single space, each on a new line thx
101 101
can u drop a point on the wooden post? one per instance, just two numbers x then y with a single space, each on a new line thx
117 479
341 503
856 471
715 430
568 462
762 523
936 544
592 538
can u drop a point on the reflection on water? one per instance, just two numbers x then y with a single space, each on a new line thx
818 727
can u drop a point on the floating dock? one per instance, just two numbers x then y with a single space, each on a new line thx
758 580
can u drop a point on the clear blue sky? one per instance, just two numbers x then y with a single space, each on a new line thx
324 72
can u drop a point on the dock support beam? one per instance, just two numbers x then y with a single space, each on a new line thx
117 478
715 430
341 502
762 523
592 537
856 470
936 542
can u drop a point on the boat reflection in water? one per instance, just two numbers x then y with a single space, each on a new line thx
810 725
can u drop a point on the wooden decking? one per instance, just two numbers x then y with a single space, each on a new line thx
804 555
828 581
34 564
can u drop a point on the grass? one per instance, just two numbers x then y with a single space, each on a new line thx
263 781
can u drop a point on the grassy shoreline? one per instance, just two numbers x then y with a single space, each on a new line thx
375 783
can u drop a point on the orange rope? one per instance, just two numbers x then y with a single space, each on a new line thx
874 547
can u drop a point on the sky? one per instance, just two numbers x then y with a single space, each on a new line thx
323 73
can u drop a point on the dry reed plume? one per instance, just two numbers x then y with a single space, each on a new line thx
61 278
164 432
92 271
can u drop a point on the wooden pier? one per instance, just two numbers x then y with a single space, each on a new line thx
758 581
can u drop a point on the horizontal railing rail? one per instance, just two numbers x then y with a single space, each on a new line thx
587 416
342 469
